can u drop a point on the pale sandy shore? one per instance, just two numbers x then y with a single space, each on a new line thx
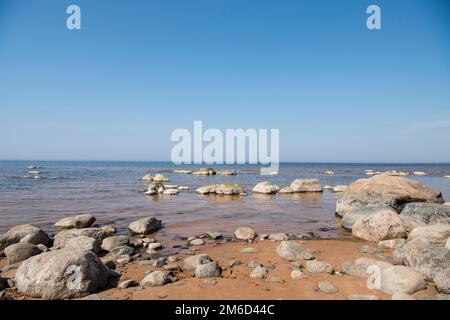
236 283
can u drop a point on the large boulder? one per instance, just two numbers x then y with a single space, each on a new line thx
423 256
387 190
293 251
77 222
21 251
61 274
266 187
435 233
24 233
419 214
306 185
400 279
351 217
62 237
382 225
145 225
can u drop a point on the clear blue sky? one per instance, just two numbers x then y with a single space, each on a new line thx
137 70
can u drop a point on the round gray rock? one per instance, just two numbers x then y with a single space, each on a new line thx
61 274
145 225
292 251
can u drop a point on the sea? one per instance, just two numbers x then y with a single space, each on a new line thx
112 191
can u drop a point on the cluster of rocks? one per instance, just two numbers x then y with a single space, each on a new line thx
77 261
406 216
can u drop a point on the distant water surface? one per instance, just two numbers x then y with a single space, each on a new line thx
110 191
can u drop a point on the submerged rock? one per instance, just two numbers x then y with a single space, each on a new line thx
61 274
148 177
222 189
227 172
79 221
286 190
306 185
387 190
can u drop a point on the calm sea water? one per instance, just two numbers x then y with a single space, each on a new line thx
110 191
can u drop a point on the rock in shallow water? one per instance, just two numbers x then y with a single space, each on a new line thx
77 222
306 185
352 216
266 187
61 274
292 251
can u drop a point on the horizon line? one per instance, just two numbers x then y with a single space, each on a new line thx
258 164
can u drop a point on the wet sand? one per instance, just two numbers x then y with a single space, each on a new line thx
236 283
